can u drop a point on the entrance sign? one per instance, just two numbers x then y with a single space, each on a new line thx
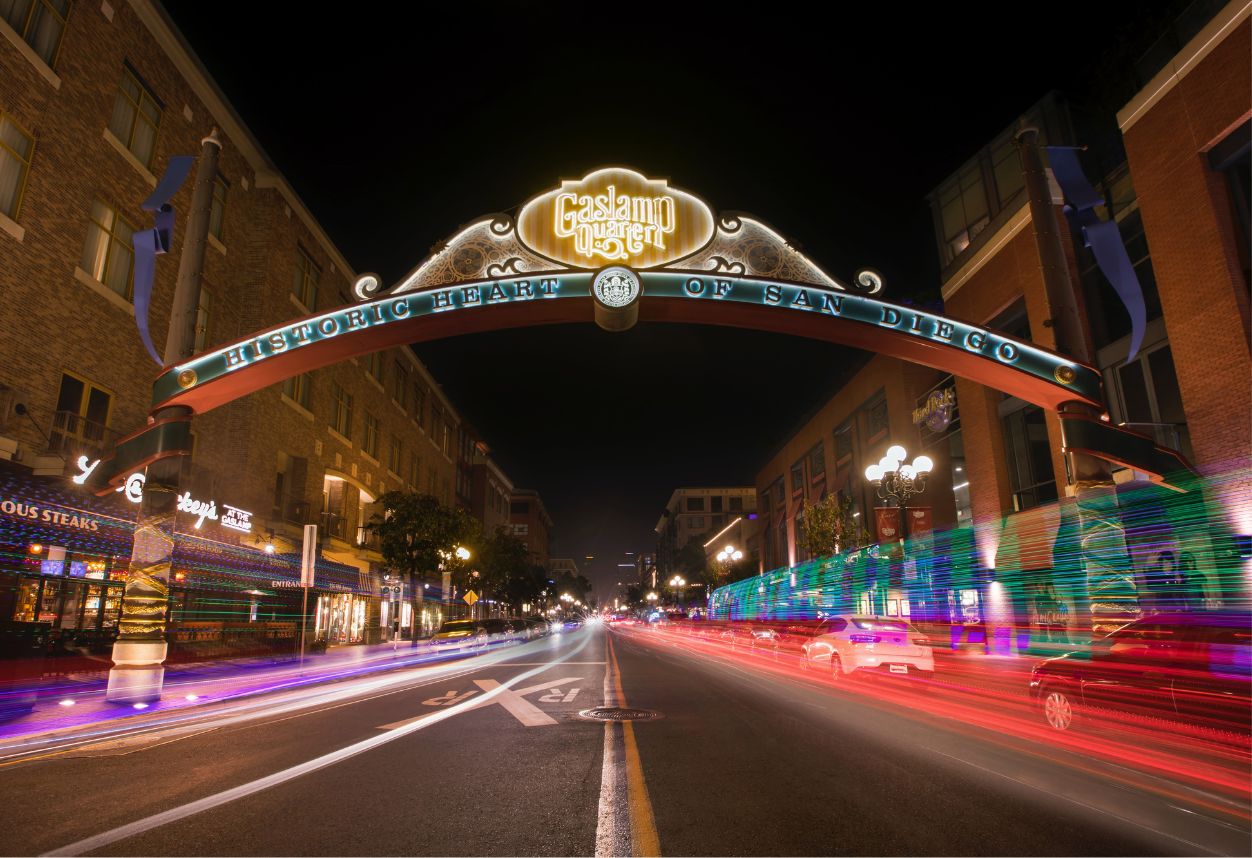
615 215
617 246
1025 370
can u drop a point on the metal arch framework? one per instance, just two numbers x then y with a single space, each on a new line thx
237 369
498 273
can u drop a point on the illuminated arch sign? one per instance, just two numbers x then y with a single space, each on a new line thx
1035 374
615 216
613 246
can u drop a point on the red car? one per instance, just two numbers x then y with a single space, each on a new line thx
1194 668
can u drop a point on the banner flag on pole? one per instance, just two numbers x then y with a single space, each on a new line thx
1102 237
151 243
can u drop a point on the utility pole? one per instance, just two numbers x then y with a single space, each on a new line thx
138 672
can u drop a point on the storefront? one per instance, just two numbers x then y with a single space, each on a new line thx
340 618
63 558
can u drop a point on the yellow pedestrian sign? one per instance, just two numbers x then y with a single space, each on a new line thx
471 597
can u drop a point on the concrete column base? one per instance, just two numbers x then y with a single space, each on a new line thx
138 672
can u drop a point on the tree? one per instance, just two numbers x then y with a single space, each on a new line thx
505 567
416 531
692 563
830 527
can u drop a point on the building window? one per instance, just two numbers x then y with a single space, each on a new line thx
370 446
1233 158
202 319
341 411
108 253
82 414
419 404
16 147
521 530
136 115
374 366
40 23
876 421
400 385
797 477
715 503
447 437
1146 397
396 455
217 210
296 389
963 209
519 508
736 504
415 471
696 522
289 488
1031 478
695 504
304 280
843 444
1006 169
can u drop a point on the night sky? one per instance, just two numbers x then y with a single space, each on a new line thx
395 130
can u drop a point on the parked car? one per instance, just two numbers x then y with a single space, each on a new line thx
754 638
1194 668
460 634
854 645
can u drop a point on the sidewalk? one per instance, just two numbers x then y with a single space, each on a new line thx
68 703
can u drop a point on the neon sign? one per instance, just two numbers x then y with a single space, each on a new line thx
615 215
613 226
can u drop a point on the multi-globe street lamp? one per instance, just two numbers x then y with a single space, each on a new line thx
726 558
894 479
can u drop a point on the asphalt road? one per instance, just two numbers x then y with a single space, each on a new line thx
490 756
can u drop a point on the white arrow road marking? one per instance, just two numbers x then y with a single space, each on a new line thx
448 698
519 707
556 695
511 700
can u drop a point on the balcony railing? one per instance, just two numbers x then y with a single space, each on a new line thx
292 509
73 435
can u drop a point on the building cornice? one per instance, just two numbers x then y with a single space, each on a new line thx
1213 34
174 44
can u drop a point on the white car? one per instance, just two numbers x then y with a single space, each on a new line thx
857 644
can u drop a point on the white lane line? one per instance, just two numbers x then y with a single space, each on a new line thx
148 823
613 836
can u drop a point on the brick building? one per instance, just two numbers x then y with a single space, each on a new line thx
1173 168
531 523
95 98
700 514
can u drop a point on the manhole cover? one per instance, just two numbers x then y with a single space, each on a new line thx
619 713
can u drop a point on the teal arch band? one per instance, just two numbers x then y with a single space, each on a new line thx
274 354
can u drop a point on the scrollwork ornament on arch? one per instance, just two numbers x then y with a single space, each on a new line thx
868 282
367 285
485 249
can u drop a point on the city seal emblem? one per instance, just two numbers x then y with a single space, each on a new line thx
616 292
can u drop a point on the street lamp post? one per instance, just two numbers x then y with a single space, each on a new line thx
679 585
895 480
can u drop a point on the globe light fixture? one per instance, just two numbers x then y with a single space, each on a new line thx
462 552
895 480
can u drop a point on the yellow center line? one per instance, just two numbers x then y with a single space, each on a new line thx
642 823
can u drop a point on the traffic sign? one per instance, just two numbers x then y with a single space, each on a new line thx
471 597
